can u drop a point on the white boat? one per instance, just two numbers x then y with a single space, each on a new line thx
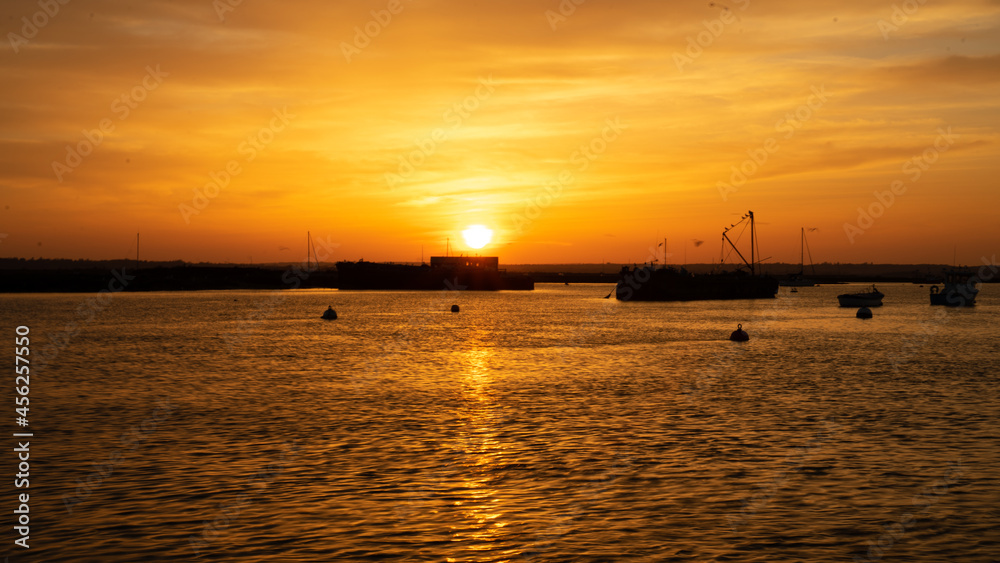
871 298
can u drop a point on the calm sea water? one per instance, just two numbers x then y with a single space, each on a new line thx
551 425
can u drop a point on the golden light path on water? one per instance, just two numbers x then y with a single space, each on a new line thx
482 508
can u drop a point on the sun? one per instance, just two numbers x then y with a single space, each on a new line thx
477 236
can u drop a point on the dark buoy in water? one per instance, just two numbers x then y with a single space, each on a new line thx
454 308
739 335
329 314
864 313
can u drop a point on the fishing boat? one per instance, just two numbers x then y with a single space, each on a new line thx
798 279
871 298
474 273
959 289
649 283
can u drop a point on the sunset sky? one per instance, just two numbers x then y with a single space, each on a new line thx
387 132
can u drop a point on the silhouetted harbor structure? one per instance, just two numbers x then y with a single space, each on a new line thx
473 273
19 275
647 283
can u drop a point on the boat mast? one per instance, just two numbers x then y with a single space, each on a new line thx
802 252
753 243
308 249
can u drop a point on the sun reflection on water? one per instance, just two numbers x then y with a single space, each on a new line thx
482 525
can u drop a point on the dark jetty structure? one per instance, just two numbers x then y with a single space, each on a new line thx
474 273
648 283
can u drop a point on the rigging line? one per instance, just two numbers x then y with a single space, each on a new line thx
732 245
732 248
809 252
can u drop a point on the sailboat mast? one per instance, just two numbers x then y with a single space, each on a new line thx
753 243
308 250
137 251
802 252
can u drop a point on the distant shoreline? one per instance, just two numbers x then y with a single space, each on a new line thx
41 276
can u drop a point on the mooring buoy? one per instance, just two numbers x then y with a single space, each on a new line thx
739 335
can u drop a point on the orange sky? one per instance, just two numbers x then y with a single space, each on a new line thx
450 113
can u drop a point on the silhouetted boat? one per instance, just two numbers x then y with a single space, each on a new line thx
647 283
798 279
871 298
959 289
474 273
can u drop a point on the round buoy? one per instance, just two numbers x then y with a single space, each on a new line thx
329 314
739 335
454 308
864 313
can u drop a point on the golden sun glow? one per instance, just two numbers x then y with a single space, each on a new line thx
477 236
571 144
